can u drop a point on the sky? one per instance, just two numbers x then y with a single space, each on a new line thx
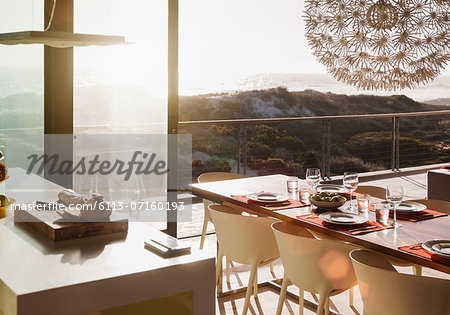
218 38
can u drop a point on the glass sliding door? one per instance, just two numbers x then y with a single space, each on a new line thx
122 90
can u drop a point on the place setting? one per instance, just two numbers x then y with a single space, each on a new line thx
436 250
346 222
270 200
412 211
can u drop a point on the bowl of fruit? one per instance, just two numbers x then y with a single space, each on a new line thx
327 200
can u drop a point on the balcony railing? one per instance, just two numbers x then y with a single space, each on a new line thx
409 154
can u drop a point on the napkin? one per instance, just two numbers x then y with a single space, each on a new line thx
289 204
312 218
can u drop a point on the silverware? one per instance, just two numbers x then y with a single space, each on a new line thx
276 204
363 228
416 247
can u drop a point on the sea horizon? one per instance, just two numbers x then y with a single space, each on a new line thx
14 80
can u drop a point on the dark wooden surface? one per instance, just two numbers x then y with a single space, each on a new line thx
386 241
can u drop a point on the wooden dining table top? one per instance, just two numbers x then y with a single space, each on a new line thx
386 241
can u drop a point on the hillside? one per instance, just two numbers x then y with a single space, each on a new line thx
279 102
439 101
360 145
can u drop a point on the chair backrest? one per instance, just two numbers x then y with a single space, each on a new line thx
214 177
385 291
432 204
314 265
374 191
244 239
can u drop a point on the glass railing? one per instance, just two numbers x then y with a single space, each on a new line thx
362 143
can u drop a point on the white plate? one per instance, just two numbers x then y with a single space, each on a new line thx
343 218
332 188
409 206
440 248
267 197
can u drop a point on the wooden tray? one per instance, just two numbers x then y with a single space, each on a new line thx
51 225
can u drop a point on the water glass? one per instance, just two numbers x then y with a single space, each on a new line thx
292 187
382 212
350 181
304 194
292 184
363 202
394 194
313 178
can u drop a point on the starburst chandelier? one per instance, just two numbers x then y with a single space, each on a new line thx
380 44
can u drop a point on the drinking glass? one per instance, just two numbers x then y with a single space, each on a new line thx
350 182
313 178
303 194
382 212
292 187
363 201
394 194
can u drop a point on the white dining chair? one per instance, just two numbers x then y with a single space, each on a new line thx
245 240
207 178
313 265
212 177
385 291
373 191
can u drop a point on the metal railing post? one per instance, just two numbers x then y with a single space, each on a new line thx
245 149
397 143
328 156
324 147
395 157
239 149
393 150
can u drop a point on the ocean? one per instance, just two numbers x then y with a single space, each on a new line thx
25 80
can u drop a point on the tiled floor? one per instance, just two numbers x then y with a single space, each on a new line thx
266 303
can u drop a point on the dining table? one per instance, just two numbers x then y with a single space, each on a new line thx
386 241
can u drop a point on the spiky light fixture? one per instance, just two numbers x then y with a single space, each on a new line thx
380 44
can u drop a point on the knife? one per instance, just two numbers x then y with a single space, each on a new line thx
363 228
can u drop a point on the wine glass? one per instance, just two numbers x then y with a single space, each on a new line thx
313 178
350 182
394 194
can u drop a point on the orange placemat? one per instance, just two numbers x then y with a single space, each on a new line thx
289 204
312 218
416 216
417 249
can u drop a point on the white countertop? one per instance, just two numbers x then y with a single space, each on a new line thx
103 271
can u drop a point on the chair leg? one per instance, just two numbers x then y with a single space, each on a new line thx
202 239
301 296
255 285
219 272
271 267
228 264
282 295
251 280
322 302
327 306
351 297
417 270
